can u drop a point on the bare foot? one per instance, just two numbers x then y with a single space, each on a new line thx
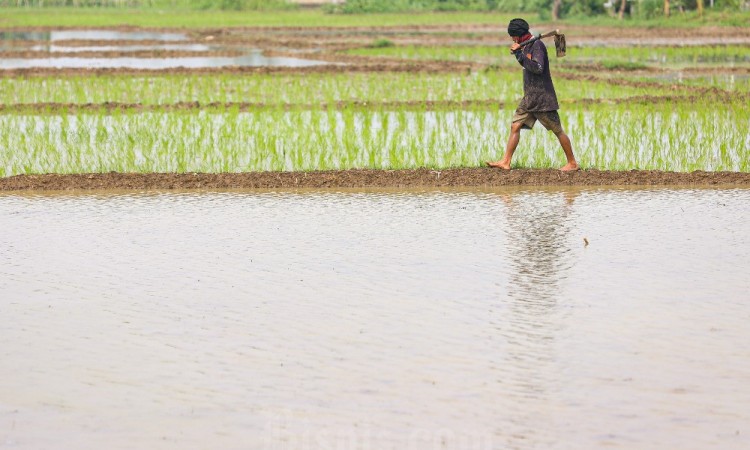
570 167
499 165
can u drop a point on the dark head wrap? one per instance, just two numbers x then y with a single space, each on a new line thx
518 27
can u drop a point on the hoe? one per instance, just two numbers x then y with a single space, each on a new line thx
559 41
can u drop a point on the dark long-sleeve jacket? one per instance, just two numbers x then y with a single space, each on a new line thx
538 90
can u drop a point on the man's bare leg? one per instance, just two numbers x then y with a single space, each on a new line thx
510 148
572 164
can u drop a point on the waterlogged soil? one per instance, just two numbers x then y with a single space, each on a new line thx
374 66
431 105
365 178
480 34
327 44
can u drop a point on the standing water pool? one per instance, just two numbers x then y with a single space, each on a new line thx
561 318
57 43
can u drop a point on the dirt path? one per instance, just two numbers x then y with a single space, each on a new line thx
471 177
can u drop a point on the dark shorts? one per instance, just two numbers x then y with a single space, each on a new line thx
550 119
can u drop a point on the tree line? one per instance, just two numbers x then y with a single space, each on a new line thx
545 9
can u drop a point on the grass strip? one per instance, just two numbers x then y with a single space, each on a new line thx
182 18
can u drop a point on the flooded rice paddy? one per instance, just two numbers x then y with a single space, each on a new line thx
54 45
92 35
252 59
413 319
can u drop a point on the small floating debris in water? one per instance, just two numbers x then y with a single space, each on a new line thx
585 242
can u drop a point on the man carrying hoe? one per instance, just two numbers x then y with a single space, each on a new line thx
539 100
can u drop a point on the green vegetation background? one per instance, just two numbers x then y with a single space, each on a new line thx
193 13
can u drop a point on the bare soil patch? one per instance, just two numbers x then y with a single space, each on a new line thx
365 178
437 105
374 66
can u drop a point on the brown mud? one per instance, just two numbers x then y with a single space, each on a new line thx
72 108
355 64
365 65
365 178
374 67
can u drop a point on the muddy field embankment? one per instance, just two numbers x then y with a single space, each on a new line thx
366 178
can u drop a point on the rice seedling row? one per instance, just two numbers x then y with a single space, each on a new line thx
501 85
612 137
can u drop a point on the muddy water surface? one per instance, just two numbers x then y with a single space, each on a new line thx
249 58
89 35
455 319
253 58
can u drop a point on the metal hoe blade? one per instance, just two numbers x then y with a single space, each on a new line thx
560 46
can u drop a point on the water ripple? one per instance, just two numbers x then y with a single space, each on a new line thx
380 319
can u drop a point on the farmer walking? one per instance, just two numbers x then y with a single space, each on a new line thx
539 99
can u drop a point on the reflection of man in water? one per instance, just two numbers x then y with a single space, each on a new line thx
538 229
539 98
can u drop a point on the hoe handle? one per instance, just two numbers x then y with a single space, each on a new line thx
536 38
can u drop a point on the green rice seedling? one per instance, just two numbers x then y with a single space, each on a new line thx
382 43
669 55
668 136
308 89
